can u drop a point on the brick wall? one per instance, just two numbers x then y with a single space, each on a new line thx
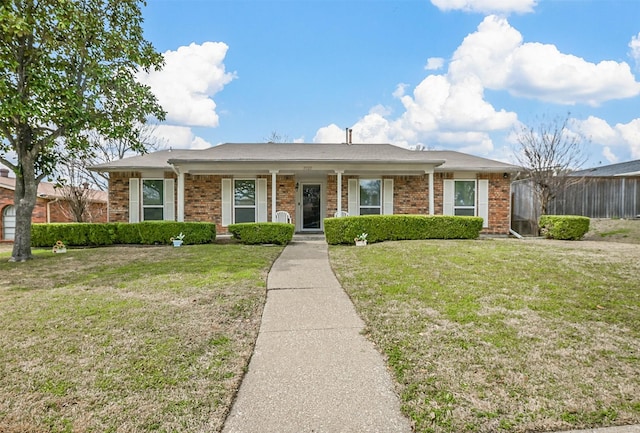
203 197
499 200
119 196
285 195
499 204
56 209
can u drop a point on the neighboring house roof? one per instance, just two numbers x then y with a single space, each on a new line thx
301 153
629 168
48 191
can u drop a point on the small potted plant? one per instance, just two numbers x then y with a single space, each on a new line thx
177 241
59 247
361 240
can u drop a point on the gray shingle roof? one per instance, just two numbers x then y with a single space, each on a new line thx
307 152
629 168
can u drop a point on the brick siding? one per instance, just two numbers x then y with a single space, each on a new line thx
58 213
203 197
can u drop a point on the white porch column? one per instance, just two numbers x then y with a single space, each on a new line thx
339 192
273 194
180 216
431 193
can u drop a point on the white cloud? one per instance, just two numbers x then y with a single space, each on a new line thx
620 139
449 110
192 75
400 90
630 133
434 63
609 155
180 137
497 55
487 6
330 134
635 49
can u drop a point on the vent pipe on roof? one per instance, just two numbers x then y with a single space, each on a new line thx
348 135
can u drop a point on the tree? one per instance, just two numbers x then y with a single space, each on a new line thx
548 151
67 67
103 150
276 137
74 187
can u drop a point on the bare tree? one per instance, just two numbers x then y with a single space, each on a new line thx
548 151
105 150
76 191
276 137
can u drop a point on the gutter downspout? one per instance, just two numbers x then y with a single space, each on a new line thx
49 208
516 234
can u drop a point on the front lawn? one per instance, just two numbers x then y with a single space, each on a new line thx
128 339
503 335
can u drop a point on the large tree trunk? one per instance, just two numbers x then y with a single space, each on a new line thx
25 201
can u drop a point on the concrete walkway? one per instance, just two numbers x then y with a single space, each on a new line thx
312 370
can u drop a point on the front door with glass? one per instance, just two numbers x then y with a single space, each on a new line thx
311 206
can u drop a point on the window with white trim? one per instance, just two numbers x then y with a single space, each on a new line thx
464 203
370 196
152 199
244 200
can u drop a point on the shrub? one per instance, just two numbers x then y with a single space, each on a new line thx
262 233
564 227
100 234
401 227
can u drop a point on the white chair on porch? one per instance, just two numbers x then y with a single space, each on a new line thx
342 213
283 216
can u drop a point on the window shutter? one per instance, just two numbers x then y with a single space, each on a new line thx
354 199
448 191
134 200
483 201
387 196
261 200
169 200
227 208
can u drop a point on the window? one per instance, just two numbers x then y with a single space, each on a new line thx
244 200
465 198
370 196
152 199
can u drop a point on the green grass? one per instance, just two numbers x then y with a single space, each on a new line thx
128 339
503 335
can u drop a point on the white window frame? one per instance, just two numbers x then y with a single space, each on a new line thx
481 199
475 196
255 199
379 206
154 206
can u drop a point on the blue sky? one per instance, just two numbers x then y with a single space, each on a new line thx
446 74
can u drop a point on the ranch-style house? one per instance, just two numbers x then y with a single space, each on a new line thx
251 182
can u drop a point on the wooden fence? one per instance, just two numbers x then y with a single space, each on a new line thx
594 197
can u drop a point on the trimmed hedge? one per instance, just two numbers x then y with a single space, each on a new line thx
101 234
401 227
564 227
262 233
